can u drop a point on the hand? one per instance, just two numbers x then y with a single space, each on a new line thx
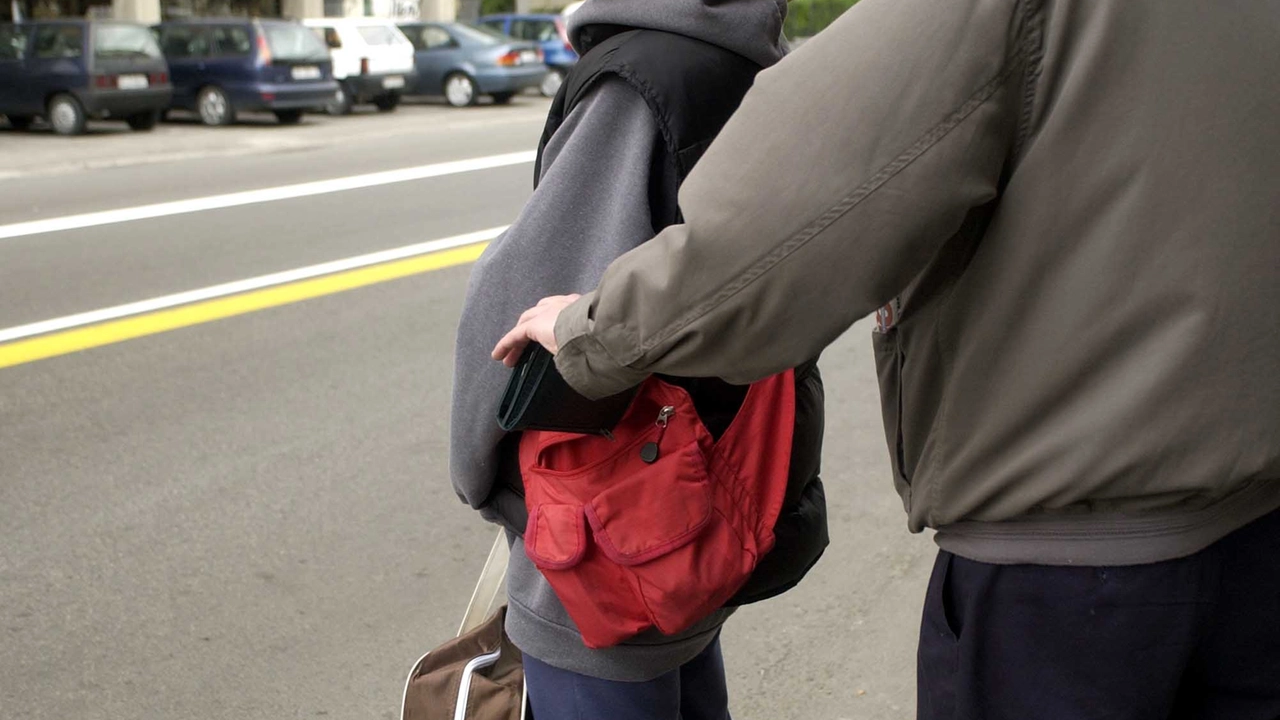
537 324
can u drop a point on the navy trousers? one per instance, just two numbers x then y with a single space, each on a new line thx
694 691
1196 638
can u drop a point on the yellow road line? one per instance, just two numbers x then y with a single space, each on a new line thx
70 341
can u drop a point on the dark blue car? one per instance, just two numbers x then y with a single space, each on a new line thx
222 67
551 34
68 71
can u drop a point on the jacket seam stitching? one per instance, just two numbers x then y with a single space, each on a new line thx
1034 55
886 173
1031 47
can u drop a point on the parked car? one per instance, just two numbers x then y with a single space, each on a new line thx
68 71
463 62
551 34
372 61
222 67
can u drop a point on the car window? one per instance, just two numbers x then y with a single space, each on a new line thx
329 36
499 26
185 41
59 41
414 33
124 41
536 30
378 34
480 35
294 42
13 43
431 38
230 40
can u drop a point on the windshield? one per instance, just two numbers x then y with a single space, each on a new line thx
124 41
380 35
480 35
294 42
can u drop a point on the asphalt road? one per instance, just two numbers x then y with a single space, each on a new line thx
251 517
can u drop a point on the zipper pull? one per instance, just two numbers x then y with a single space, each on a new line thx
649 452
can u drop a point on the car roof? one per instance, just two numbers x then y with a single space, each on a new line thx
225 21
349 22
522 16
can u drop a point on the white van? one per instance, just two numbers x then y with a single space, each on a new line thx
372 61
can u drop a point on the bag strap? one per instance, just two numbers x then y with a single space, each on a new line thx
489 586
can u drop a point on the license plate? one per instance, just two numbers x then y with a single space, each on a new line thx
305 72
393 83
132 82
528 56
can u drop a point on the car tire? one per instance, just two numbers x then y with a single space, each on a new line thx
144 120
19 122
66 115
214 107
460 90
289 117
503 98
551 83
388 102
342 101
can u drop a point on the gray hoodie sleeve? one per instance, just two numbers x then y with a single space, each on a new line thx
591 206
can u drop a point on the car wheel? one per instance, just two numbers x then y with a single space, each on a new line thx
144 120
66 115
19 122
551 83
341 102
460 90
214 107
289 117
388 102
502 98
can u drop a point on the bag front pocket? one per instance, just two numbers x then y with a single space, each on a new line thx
557 536
654 508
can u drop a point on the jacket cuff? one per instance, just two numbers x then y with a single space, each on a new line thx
507 509
583 362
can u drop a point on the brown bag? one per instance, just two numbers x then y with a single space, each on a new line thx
478 675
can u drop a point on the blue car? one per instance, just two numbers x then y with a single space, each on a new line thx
68 71
222 67
463 62
551 34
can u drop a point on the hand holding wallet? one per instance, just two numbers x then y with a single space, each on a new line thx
538 398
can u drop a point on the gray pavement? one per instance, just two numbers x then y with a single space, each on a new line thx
251 518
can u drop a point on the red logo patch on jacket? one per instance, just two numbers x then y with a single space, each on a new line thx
660 526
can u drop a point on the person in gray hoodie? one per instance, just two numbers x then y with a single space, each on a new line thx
606 181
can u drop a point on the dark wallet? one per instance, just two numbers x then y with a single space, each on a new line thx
538 398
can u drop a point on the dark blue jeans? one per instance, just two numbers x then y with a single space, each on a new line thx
1196 638
694 691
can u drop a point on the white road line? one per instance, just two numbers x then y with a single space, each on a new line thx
249 197
239 286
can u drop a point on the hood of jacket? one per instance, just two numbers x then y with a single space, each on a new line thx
750 28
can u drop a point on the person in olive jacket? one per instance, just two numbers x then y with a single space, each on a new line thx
1066 216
